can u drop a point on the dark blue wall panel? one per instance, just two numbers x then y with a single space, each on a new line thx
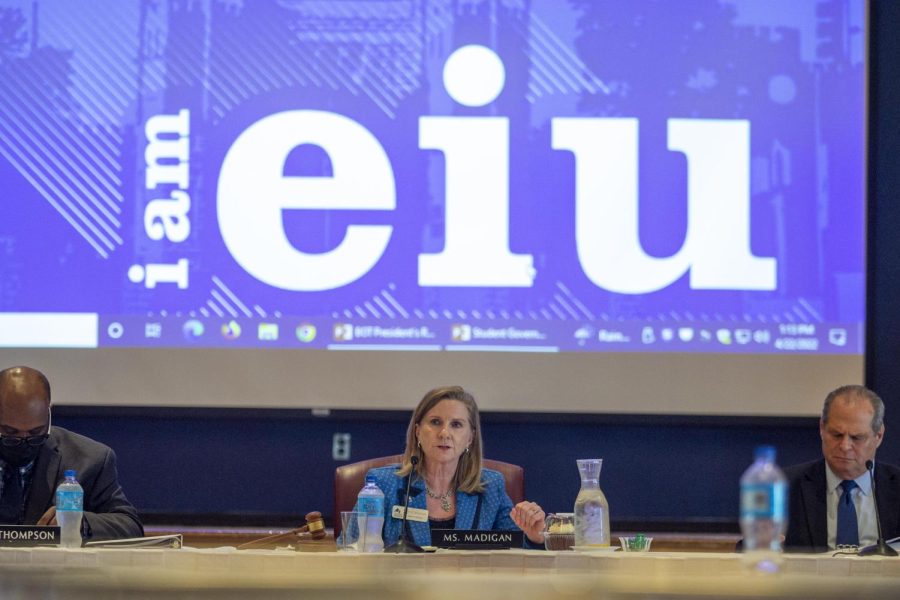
280 463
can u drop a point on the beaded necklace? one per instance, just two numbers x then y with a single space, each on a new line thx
444 498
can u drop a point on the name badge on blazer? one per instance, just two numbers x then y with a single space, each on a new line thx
414 514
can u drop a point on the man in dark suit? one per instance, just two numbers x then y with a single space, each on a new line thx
34 455
831 500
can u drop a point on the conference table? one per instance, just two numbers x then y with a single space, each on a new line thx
225 572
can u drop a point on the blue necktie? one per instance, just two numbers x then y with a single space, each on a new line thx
847 529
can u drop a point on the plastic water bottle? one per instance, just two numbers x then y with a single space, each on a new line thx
69 510
763 511
370 503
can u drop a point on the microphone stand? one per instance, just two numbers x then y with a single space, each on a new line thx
880 548
403 545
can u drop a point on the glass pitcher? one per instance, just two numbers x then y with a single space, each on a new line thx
591 507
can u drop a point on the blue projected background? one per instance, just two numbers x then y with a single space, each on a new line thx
471 175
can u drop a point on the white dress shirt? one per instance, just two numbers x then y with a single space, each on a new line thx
862 500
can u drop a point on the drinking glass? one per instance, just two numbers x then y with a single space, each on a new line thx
348 541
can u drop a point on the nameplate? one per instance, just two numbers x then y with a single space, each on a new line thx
476 539
28 535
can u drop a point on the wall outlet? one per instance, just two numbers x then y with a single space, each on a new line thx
340 446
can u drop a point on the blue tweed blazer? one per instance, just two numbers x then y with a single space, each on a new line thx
495 505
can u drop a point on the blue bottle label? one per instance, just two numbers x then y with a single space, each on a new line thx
371 505
763 500
69 500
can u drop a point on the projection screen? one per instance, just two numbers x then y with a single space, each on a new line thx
582 206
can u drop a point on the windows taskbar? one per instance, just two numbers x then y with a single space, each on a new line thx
90 330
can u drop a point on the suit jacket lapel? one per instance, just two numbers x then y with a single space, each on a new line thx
814 499
43 481
465 510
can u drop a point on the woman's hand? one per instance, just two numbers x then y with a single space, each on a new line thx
530 519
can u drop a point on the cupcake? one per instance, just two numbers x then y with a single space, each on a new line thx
559 532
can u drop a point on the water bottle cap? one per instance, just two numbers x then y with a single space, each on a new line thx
370 479
766 453
70 473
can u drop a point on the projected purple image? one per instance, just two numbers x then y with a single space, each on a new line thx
488 175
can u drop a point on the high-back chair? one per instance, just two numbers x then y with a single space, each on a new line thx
349 479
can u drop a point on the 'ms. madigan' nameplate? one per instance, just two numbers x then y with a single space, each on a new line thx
476 539
28 535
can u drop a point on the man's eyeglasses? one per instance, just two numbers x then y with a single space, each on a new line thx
12 441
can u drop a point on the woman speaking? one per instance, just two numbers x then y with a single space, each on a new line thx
448 480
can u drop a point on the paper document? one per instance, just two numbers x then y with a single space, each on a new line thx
173 540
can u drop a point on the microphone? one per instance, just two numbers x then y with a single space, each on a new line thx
880 548
403 545
314 528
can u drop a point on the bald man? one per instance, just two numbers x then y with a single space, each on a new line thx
34 454
831 500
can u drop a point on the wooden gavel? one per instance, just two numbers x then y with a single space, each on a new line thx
315 528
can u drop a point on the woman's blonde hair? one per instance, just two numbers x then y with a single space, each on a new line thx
468 470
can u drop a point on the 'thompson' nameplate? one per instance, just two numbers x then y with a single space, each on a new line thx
28 535
476 539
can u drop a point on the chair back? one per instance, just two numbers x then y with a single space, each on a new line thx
349 479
